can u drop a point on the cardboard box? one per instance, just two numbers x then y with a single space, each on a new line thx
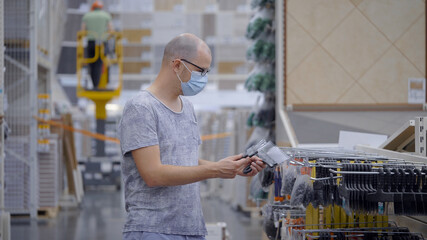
134 67
135 51
135 35
229 67
168 5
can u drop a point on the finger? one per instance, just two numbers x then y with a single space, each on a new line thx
258 167
256 158
261 164
253 172
236 157
254 169
243 162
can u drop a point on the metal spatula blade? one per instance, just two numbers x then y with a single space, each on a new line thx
272 155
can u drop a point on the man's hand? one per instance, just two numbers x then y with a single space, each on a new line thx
229 167
257 165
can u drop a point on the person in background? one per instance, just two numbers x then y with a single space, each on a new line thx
159 138
97 22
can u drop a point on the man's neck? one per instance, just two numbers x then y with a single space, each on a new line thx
166 92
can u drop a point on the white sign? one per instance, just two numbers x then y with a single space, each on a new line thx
349 140
416 90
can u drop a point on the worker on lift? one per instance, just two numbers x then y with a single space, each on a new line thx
97 23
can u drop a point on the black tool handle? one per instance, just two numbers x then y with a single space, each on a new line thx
248 168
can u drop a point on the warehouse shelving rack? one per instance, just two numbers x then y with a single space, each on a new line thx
30 57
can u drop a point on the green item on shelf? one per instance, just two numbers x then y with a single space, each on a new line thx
257 27
263 82
250 118
262 51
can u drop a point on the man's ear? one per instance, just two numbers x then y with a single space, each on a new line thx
177 66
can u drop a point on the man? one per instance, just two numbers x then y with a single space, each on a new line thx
159 140
97 22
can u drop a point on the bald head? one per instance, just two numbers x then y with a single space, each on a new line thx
186 46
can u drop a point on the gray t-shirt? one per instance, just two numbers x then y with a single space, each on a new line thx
171 210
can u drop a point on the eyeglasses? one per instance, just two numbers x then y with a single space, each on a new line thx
203 71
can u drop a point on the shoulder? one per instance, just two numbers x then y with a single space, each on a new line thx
186 102
106 14
86 16
140 102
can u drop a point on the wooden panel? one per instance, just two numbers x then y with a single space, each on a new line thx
167 5
134 67
135 35
375 48
135 51
228 67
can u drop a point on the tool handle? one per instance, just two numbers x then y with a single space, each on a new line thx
247 169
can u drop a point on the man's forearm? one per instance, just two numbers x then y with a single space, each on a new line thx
170 175
205 162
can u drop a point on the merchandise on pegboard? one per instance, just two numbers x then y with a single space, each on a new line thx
338 194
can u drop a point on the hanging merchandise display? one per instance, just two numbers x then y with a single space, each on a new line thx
341 194
261 32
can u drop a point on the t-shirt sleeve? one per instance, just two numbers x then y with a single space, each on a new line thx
137 128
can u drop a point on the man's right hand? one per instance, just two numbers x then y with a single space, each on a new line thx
230 166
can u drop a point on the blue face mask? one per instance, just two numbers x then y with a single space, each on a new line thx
196 83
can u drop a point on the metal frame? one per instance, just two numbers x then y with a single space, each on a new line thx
33 109
283 118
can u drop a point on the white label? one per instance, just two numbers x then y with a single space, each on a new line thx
416 90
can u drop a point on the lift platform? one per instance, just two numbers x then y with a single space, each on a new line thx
103 93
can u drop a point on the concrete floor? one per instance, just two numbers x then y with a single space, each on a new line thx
101 216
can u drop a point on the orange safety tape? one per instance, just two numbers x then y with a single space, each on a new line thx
84 132
215 136
115 140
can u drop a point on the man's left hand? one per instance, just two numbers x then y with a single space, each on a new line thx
257 165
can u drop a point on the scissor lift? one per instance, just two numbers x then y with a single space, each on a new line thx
102 94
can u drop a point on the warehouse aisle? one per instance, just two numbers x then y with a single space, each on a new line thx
101 217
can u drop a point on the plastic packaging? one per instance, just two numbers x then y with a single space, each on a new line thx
256 190
288 180
269 225
267 177
302 192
